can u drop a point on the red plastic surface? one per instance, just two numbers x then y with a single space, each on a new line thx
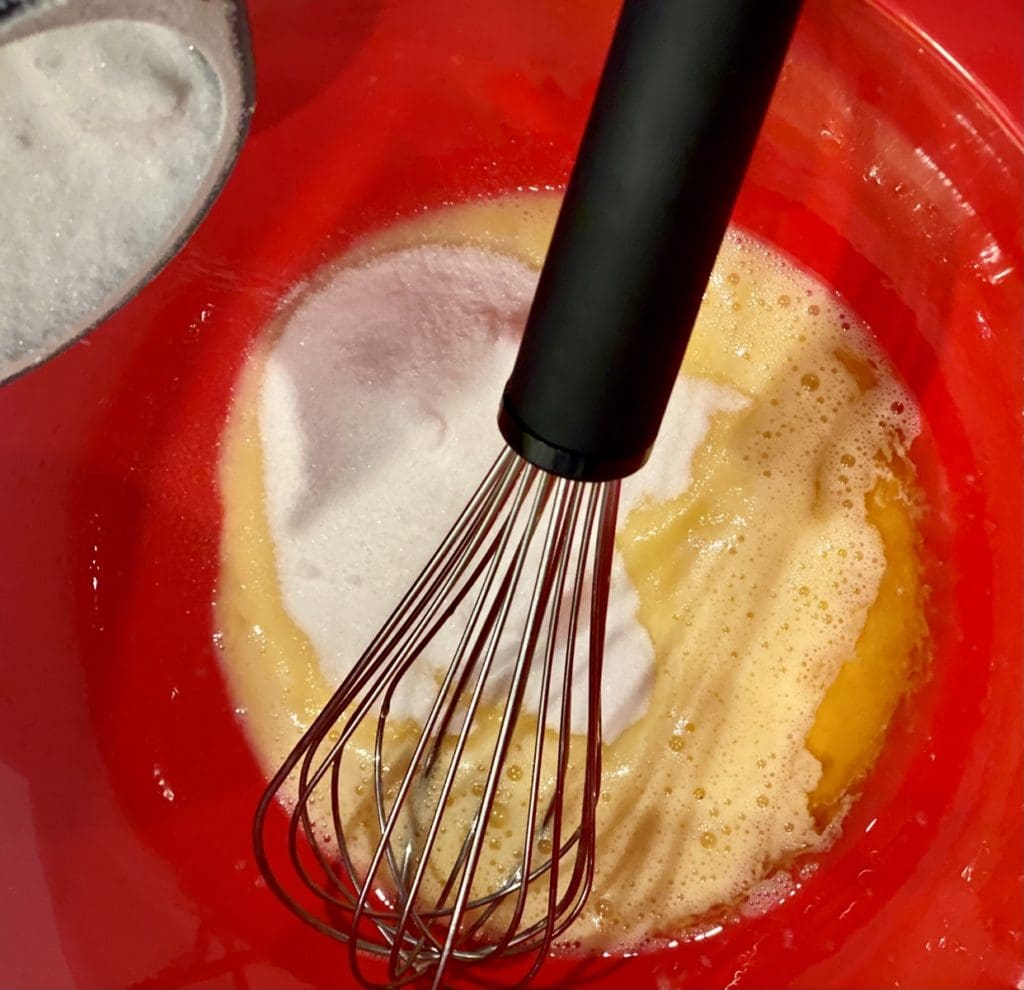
126 786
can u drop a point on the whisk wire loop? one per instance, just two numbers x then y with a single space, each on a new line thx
398 873
469 646
435 581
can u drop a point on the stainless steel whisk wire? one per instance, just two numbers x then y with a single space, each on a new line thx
380 908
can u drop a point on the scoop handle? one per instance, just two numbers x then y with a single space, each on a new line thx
678 108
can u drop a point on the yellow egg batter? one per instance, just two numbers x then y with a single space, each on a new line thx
782 591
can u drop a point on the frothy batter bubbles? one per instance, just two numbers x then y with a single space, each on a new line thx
767 600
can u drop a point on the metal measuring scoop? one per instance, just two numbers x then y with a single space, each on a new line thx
218 34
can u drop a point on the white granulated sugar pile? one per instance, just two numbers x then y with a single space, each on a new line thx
378 420
106 132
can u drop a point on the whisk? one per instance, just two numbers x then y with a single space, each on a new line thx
447 846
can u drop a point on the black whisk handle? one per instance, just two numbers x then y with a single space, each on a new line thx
678 109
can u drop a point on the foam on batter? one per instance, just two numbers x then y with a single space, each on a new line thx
773 554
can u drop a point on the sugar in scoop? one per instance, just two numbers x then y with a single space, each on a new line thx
107 131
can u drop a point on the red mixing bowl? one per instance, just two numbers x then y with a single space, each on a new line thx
126 784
